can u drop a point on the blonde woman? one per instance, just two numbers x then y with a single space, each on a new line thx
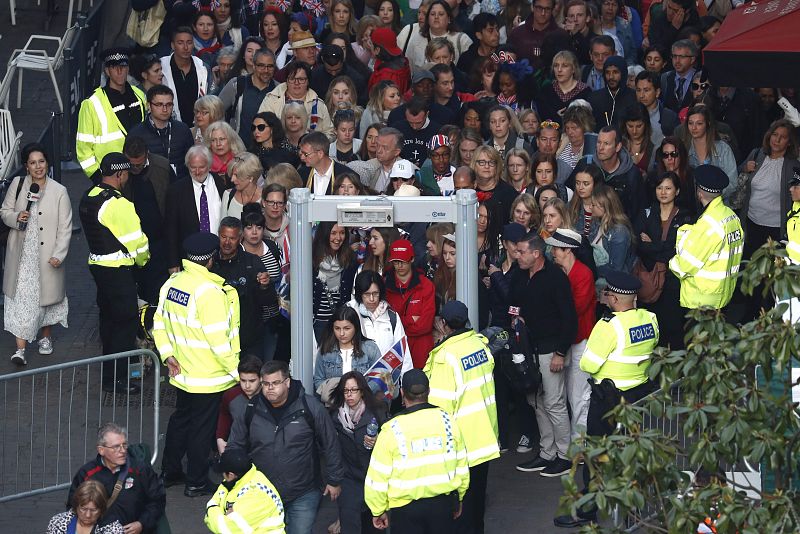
362 46
611 235
383 98
246 172
224 145
294 119
488 167
518 169
525 211
555 215
342 94
207 110
566 87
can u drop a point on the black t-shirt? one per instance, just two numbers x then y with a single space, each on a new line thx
186 89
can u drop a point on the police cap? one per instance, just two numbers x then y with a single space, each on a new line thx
710 178
233 461
622 283
415 381
514 232
114 57
114 162
455 310
200 246
794 179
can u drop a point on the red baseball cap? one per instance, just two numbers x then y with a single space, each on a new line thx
386 39
401 250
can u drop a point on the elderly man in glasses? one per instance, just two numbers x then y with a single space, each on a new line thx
139 502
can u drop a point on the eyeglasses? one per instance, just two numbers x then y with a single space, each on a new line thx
273 385
297 81
116 448
306 154
371 294
274 203
409 179
162 105
549 124
351 391
697 86
259 127
485 163
667 155
267 66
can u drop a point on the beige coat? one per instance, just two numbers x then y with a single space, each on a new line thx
55 232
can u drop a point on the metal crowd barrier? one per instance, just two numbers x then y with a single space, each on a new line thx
673 429
50 418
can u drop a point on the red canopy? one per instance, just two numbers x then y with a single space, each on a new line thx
758 45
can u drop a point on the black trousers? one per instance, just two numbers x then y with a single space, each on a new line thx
433 515
119 316
190 432
474 504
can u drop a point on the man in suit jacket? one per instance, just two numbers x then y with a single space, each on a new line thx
676 84
192 205
663 121
318 169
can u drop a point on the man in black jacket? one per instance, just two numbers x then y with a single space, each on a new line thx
285 434
142 499
164 135
612 102
247 274
542 300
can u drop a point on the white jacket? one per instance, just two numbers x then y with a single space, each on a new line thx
380 331
202 79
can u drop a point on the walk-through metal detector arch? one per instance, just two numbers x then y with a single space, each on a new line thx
306 208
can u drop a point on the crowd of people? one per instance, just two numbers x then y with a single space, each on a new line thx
618 187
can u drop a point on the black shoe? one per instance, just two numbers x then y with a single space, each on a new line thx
557 467
122 387
537 464
199 491
567 521
172 480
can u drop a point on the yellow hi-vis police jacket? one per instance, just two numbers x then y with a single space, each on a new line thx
793 233
620 347
197 323
252 506
99 130
707 257
419 454
118 215
462 384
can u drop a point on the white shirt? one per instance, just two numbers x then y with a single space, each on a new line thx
323 181
347 360
214 202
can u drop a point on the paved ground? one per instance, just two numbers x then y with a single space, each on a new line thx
518 503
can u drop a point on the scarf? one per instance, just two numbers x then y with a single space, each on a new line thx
349 417
330 272
220 165
510 101
379 310
566 97
224 26
203 45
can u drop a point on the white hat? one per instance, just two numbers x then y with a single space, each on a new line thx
402 168
407 190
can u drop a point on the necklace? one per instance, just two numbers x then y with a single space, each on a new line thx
252 196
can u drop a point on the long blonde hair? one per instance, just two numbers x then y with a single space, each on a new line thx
613 214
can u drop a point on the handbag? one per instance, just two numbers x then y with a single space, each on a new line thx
144 26
653 280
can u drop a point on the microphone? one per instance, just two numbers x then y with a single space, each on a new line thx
33 195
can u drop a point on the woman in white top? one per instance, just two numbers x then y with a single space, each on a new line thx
438 23
379 322
245 171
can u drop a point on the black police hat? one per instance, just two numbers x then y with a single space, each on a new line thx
513 232
622 283
415 381
233 461
114 162
113 57
710 178
200 246
794 179
455 310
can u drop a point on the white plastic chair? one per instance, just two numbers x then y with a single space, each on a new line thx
27 58
9 144
5 87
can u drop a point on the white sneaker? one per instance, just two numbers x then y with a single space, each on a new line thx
524 444
45 346
19 357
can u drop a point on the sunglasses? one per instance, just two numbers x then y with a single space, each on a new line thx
259 127
697 86
667 155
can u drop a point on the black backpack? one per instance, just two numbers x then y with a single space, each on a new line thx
525 377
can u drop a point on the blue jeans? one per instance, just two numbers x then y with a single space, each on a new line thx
301 513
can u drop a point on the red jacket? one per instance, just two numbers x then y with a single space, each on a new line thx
401 77
583 294
417 298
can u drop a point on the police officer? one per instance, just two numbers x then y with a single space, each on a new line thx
106 117
462 384
116 245
418 468
708 252
245 501
793 218
616 371
196 331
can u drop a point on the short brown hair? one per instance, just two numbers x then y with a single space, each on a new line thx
90 491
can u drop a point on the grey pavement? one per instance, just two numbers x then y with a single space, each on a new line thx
517 503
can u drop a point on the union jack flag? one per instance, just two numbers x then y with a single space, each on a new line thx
315 6
283 5
386 371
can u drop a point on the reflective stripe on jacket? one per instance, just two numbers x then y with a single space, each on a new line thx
118 215
252 506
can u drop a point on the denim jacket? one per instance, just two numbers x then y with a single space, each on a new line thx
617 242
329 365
